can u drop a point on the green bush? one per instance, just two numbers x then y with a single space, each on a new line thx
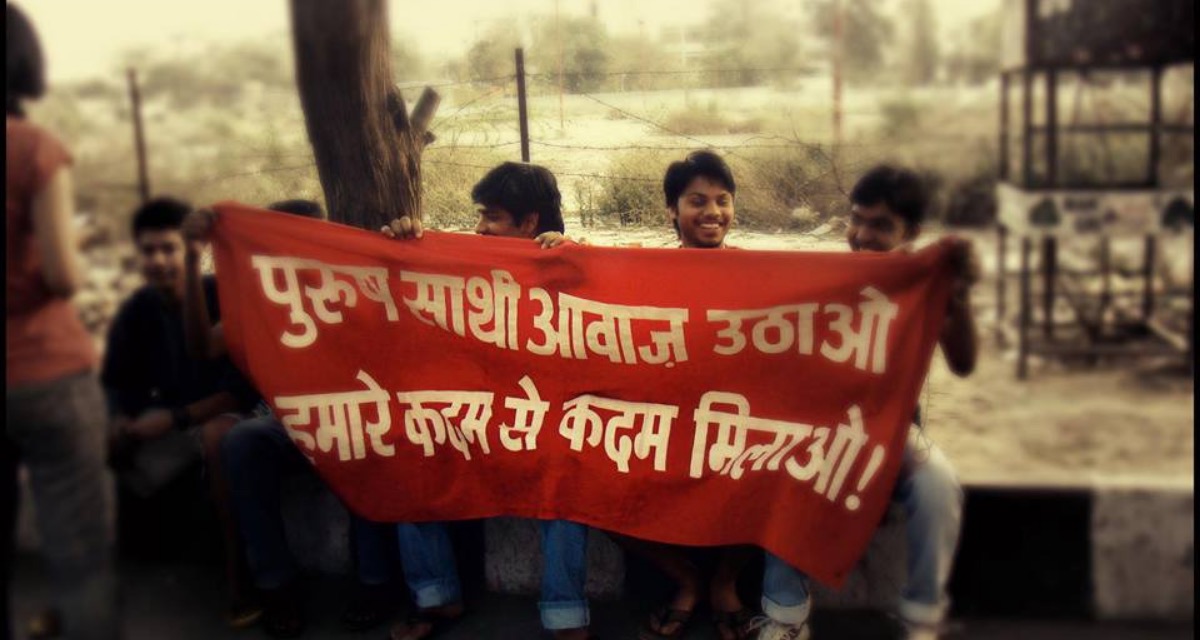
631 191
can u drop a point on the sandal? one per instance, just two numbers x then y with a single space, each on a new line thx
368 607
734 625
663 617
283 613
421 617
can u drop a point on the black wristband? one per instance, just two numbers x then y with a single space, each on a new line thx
179 418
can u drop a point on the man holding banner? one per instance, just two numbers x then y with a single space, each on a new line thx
887 208
656 393
699 197
515 201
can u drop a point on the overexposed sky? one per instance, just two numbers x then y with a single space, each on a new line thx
85 38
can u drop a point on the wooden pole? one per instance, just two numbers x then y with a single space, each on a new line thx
1051 128
1027 128
1025 311
1001 272
837 73
522 114
139 139
561 54
1105 274
1155 126
1004 135
1148 277
1049 276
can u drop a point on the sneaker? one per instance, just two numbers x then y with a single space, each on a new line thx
769 629
914 631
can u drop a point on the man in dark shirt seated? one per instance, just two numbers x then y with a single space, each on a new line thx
164 404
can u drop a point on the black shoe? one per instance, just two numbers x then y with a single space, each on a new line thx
369 606
283 611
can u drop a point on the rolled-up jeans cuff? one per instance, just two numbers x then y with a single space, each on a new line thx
786 613
922 612
435 593
564 615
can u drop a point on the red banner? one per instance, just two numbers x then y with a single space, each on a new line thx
689 396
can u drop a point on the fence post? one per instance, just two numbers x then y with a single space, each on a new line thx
139 140
521 110
1025 311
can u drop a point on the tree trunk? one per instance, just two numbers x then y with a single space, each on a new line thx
368 151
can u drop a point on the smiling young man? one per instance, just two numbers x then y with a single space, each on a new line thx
516 201
887 208
699 197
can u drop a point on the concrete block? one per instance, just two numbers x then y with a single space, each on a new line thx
1143 552
513 560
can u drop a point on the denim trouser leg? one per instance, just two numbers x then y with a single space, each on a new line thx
932 500
564 553
373 542
257 453
785 595
58 429
430 570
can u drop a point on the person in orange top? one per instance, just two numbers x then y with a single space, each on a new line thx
55 411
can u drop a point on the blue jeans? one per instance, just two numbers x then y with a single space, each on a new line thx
257 454
57 429
431 574
932 500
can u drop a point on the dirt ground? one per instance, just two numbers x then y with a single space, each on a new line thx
1128 420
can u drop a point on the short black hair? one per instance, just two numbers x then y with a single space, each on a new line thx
299 207
160 214
25 68
522 189
900 189
697 163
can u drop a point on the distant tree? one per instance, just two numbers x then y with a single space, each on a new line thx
582 43
753 39
923 53
865 33
974 57
492 55
641 64
407 62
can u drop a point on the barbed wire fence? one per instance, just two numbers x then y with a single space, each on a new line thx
482 127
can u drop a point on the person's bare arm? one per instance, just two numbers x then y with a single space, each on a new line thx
960 336
155 422
204 341
54 233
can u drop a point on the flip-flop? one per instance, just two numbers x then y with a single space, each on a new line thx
662 617
437 624
736 623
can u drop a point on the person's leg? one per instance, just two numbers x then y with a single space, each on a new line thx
9 494
371 601
563 603
60 430
431 573
932 499
731 616
256 454
669 619
786 597
243 610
